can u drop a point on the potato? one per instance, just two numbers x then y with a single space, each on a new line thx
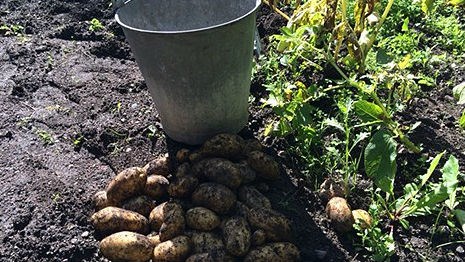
127 246
168 219
126 184
141 204
236 235
158 166
201 218
114 219
218 170
258 237
156 186
215 197
276 252
101 201
223 145
265 166
246 173
241 210
340 214
176 249
183 155
252 198
202 257
195 157
155 238
329 189
219 256
363 217
206 242
183 186
184 170
275 224
263 187
251 145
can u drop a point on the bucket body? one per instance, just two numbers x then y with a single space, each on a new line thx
196 58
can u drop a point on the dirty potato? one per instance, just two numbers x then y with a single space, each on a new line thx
258 237
251 145
246 173
114 219
168 219
158 166
126 184
176 249
236 235
127 246
329 189
195 157
155 238
241 209
202 219
252 198
184 170
363 217
206 242
215 197
276 252
101 201
275 224
218 170
183 186
183 155
141 204
218 256
202 257
265 166
338 211
223 145
156 186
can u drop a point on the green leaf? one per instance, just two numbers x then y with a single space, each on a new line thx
405 25
462 120
457 2
367 111
431 169
334 123
427 6
450 172
460 215
380 160
459 93
382 57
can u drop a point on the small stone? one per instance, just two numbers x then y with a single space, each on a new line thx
74 241
85 234
460 250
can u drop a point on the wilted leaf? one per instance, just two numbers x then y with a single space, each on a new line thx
367 111
380 160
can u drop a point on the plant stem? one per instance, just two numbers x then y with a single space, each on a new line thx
271 4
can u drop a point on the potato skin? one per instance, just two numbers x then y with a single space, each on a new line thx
276 252
219 256
183 186
158 166
218 170
251 145
215 197
252 198
114 219
155 238
258 237
168 219
236 236
156 186
126 184
223 145
176 249
202 219
141 204
182 155
202 257
265 166
127 246
275 224
206 242
338 211
246 173
184 170
100 201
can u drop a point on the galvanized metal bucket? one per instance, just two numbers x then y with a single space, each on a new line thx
196 58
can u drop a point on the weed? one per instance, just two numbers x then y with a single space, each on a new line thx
47 138
11 30
95 25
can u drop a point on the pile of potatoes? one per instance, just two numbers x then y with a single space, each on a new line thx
209 209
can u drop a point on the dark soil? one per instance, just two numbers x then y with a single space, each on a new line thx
74 110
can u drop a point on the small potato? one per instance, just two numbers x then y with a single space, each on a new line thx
265 166
176 249
184 170
114 219
141 204
195 157
223 145
127 183
201 218
247 174
275 224
219 256
101 201
252 198
258 237
168 219
329 189
218 170
156 186
127 246
206 242
183 186
363 217
182 155
276 252
155 238
214 196
158 166
340 214
251 145
236 235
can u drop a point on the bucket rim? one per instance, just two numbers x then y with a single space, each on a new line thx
257 5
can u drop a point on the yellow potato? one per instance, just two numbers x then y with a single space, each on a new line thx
155 238
363 217
158 166
201 218
340 214
114 219
156 186
218 170
219 256
206 242
127 246
215 197
252 198
265 166
101 201
183 186
275 224
141 204
223 145
129 182
176 249
236 235
168 219
276 252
